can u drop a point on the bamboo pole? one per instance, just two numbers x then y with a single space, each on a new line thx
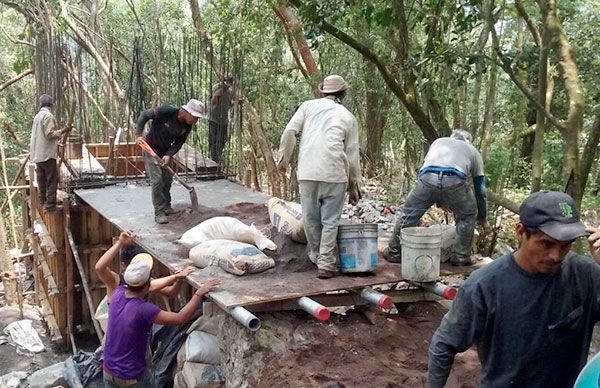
8 194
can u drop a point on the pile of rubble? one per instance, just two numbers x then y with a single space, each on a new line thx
374 208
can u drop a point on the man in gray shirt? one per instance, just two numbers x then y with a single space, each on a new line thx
530 313
451 175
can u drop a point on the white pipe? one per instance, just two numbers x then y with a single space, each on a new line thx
315 309
245 317
377 298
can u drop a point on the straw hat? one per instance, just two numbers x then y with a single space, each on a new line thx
195 108
332 84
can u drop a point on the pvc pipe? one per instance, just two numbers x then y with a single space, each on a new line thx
377 298
440 289
245 317
315 309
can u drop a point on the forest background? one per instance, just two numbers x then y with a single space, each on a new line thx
521 75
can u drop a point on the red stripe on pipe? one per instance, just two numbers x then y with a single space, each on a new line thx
322 313
449 293
385 302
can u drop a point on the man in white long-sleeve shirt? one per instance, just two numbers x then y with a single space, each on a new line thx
328 166
43 151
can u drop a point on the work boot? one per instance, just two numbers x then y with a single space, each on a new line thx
161 219
391 257
461 261
325 274
170 210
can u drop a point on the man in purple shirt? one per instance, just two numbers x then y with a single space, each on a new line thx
130 321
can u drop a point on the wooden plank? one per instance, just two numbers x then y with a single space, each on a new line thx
193 160
41 230
84 281
42 264
87 165
345 299
48 315
69 276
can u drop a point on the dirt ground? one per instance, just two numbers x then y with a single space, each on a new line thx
349 351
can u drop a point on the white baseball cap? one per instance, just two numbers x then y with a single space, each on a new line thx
195 108
138 271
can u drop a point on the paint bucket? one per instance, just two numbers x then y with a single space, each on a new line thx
448 239
421 249
358 247
74 146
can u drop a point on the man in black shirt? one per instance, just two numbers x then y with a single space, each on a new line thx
532 312
170 127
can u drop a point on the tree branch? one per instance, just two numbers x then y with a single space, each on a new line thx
532 28
14 79
505 64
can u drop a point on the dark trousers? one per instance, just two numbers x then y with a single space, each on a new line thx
217 137
433 188
47 180
161 181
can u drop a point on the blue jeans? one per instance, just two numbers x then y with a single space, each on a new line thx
322 205
145 381
444 190
161 181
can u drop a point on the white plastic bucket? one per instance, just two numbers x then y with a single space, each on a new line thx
448 239
358 247
421 249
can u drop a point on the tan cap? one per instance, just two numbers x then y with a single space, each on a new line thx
332 84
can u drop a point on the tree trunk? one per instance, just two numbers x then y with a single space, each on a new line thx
376 118
293 28
473 125
589 151
488 117
567 66
540 124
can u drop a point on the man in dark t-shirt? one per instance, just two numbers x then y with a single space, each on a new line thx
531 313
170 127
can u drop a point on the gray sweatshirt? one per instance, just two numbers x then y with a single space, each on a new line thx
530 330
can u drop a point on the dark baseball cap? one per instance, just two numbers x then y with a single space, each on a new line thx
553 213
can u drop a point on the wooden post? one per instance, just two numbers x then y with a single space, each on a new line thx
109 164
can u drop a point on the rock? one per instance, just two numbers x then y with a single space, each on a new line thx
48 377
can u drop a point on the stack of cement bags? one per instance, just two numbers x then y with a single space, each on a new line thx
286 217
230 244
198 360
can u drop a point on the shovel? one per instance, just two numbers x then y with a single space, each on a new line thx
193 196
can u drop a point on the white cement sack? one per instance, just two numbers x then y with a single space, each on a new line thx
225 228
234 257
207 324
23 336
286 217
101 314
179 381
203 348
202 375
